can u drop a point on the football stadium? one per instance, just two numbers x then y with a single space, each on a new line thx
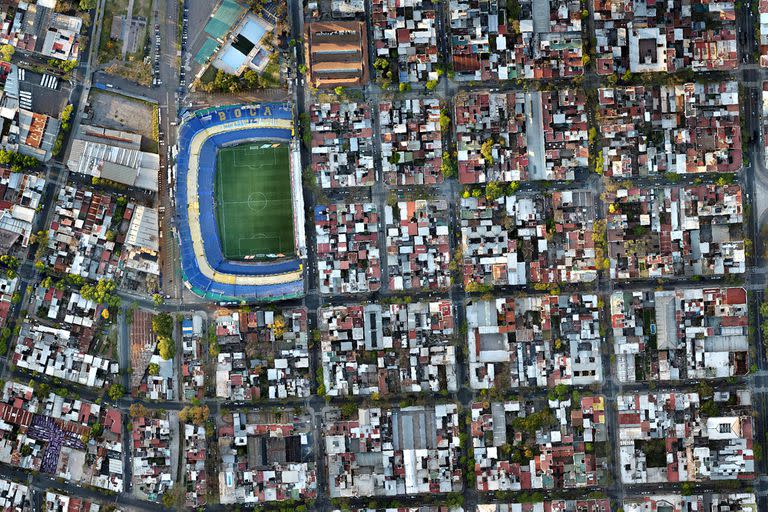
239 204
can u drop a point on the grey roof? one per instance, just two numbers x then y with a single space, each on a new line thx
143 231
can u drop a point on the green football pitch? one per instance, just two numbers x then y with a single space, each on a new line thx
253 200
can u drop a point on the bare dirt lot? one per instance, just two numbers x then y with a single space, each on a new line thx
122 113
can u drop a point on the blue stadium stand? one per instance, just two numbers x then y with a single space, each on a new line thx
198 282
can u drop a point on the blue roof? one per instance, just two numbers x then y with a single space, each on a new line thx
253 31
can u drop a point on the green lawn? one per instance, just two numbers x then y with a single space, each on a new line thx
253 200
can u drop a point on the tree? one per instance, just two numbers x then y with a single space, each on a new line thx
486 150
339 90
153 369
431 85
213 348
162 325
116 391
404 87
41 239
174 497
157 299
64 117
9 261
559 392
97 429
196 414
87 5
16 161
448 167
102 293
6 52
166 348
494 190
278 327
138 410
445 121
42 390
74 280
349 410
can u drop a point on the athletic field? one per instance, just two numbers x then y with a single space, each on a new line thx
253 200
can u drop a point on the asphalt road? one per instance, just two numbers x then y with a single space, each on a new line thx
165 12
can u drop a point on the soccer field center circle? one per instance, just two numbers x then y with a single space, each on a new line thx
205 268
257 201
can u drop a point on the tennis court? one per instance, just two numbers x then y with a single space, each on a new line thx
253 201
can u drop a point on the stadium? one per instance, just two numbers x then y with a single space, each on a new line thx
239 204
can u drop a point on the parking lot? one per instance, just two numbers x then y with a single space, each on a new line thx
121 113
194 22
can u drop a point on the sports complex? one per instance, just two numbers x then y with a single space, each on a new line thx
239 203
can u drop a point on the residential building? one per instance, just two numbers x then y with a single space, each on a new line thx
741 502
521 136
411 141
20 198
391 452
195 452
537 238
348 257
55 435
640 37
405 35
376 350
491 42
56 353
192 350
681 129
264 354
14 496
535 341
675 231
151 444
683 437
81 237
556 443
418 245
342 144
683 334
264 458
